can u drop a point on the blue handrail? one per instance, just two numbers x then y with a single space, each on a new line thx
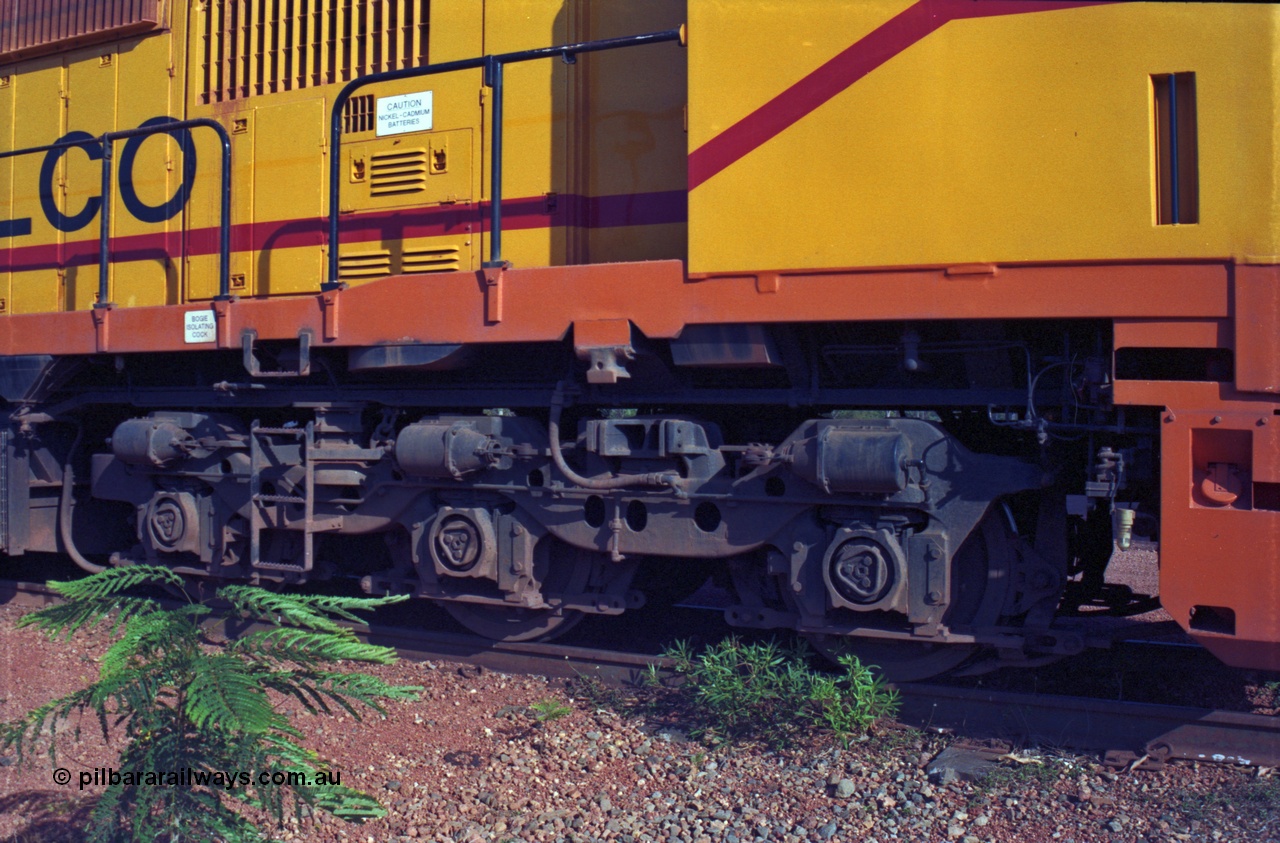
168 127
492 65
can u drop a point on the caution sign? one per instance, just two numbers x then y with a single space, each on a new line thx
404 113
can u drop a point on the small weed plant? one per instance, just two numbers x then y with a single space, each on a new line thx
203 714
1254 802
769 692
1038 772
547 710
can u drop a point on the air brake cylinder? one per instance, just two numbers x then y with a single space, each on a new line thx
445 449
150 442
853 460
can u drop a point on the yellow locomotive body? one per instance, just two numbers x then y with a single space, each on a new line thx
268 74
1035 239
892 134
910 133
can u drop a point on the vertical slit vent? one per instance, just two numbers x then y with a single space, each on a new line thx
1176 147
357 114
252 47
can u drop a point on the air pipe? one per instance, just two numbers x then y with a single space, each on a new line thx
64 511
620 481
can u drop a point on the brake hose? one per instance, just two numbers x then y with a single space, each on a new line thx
619 481
64 511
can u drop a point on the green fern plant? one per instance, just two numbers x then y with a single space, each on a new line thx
205 712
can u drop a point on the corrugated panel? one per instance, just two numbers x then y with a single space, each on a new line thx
372 263
34 27
401 171
253 47
446 259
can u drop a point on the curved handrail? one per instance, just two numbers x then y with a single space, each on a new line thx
106 140
492 65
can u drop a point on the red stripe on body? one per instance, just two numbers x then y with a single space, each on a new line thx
517 215
847 67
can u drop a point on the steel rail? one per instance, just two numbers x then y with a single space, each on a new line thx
555 660
1123 730
1126 732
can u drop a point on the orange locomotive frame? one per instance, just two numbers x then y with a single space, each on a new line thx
1214 305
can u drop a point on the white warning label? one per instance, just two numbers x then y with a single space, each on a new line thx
404 113
199 326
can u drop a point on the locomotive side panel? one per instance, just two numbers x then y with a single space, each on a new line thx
36 280
8 226
942 132
151 176
76 95
627 154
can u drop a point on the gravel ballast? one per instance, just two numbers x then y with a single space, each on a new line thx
470 761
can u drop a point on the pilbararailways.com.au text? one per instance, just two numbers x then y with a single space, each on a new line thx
225 779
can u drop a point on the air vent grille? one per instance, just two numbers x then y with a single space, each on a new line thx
36 27
252 47
374 263
401 171
357 114
444 259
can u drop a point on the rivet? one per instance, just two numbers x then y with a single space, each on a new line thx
1168 417
797 587
1216 420
935 597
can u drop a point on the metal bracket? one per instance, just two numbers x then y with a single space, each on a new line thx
101 326
329 300
605 344
492 272
249 336
222 320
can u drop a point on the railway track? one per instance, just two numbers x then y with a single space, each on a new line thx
1125 733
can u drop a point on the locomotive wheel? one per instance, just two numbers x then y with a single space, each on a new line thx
666 581
982 573
501 623
895 661
569 572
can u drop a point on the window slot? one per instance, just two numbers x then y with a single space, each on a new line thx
1176 149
